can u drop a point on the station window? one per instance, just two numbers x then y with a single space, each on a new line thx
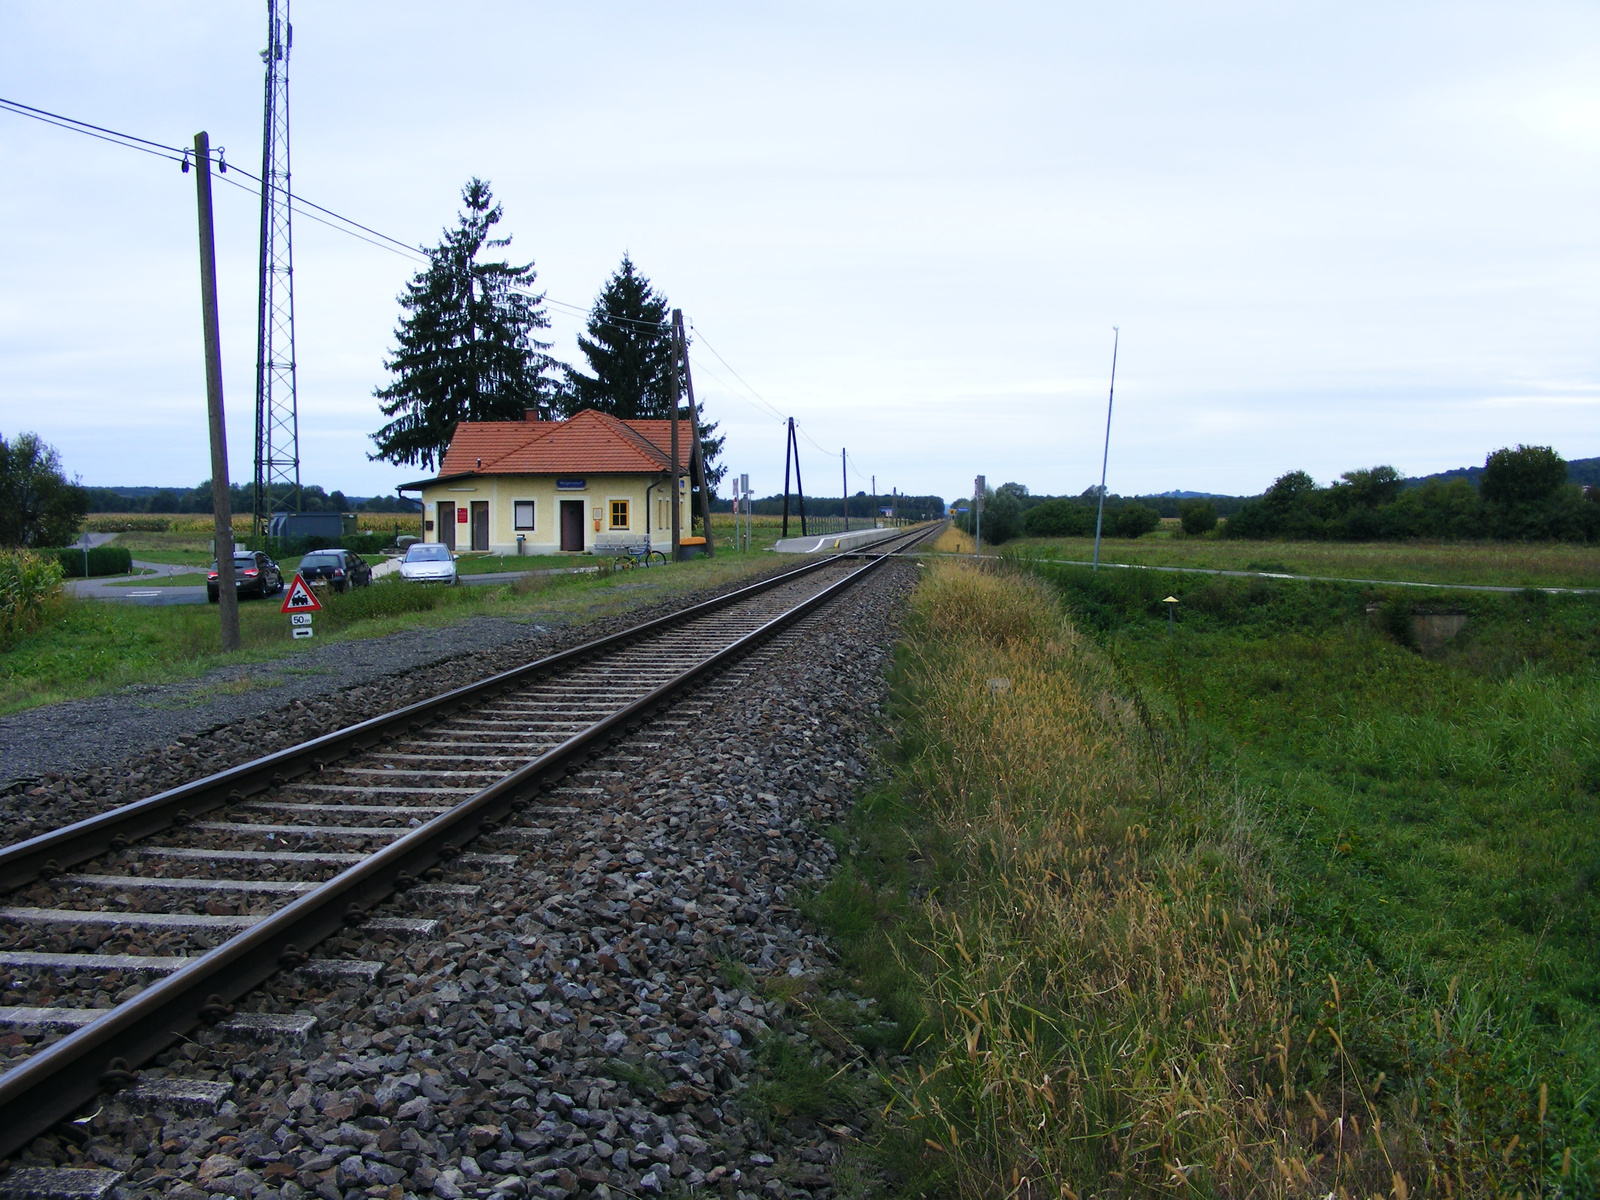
522 513
619 514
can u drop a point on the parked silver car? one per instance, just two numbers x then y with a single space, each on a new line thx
429 562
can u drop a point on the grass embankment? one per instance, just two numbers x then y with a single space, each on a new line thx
89 647
1138 944
1504 564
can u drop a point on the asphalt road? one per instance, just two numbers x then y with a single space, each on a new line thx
106 588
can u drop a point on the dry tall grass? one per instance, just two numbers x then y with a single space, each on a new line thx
1108 989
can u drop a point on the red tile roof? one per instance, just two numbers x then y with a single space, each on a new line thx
589 442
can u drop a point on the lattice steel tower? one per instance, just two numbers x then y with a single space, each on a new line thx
277 482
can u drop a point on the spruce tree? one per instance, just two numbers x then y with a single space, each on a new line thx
464 345
629 350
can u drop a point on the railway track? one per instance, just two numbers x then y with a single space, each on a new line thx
125 930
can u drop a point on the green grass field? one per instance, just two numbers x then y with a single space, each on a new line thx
1436 816
468 563
1509 564
1266 903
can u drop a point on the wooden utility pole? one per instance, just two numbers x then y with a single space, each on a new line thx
697 462
677 475
221 501
799 484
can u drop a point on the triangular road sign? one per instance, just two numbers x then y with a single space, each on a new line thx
300 598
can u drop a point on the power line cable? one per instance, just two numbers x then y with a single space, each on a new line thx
415 255
706 342
115 137
349 225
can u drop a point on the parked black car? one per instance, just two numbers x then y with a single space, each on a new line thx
254 574
339 568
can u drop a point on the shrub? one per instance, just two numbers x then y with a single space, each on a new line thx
388 597
1059 518
1135 520
1395 619
1198 516
1002 518
102 560
29 584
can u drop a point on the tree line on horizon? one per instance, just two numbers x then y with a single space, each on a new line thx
1525 493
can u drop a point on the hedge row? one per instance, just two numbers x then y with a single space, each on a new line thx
102 560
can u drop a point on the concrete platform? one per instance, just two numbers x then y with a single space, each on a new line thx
854 540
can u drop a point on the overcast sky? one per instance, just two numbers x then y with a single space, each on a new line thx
1333 234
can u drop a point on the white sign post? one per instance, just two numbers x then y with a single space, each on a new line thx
300 603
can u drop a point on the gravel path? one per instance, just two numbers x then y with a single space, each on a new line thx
575 1028
240 712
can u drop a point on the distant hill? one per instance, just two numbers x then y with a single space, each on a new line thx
1579 470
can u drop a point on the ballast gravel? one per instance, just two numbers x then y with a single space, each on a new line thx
575 1026
140 740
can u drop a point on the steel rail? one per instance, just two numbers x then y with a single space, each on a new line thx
56 851
53 1083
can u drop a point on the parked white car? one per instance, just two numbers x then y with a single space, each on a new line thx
429 562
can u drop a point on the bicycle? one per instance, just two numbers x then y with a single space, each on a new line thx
639 556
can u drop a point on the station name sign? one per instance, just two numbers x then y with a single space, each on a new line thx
571 485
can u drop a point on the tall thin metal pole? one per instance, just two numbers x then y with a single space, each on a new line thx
844 476
277 450
221 505
1100 512
874 501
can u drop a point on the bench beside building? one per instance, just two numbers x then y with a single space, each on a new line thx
590 483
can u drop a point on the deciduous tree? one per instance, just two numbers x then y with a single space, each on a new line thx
1526 475
39 505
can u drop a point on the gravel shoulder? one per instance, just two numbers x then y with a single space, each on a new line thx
586 1024
240 712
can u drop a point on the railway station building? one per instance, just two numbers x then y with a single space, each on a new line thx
590 483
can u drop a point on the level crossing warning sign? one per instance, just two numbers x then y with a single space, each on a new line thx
300 598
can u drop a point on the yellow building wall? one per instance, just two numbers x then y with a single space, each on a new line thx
502 492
